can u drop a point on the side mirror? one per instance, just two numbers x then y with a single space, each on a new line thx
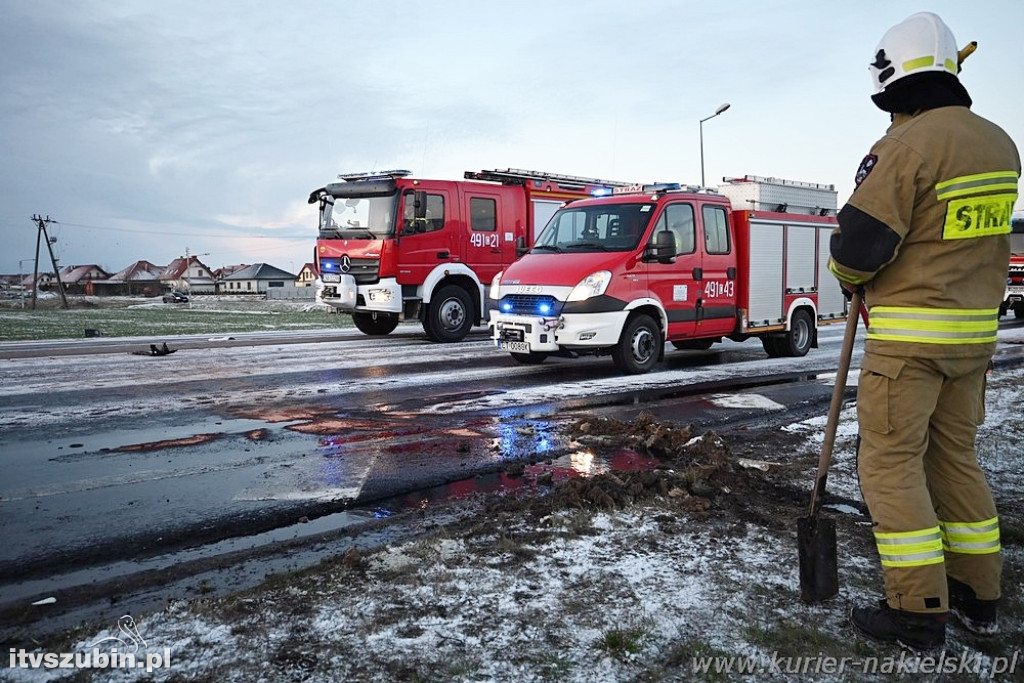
664 248
521 247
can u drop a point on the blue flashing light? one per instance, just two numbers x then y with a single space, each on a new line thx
506 306
326 265
601 192
544 308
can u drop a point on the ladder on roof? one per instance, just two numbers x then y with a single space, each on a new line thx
517 176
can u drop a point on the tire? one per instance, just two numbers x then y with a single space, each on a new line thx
639 347
531 358
428 331
771 346
375 324
798 340
694 344
449 315
1018 311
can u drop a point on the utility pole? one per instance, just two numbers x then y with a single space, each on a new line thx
41 223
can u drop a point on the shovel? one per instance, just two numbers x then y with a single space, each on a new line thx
816 535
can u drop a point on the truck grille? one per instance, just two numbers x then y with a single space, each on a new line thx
530 304
366 271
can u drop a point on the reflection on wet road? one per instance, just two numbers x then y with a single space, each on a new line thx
117 458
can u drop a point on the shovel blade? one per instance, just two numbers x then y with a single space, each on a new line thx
819 566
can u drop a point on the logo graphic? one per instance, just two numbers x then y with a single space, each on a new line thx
132 638
866 166
346 264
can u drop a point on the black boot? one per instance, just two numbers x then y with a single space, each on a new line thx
977 616
920 633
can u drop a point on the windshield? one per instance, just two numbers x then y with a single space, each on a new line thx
599 227
357 217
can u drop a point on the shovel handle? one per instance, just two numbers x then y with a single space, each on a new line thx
825 459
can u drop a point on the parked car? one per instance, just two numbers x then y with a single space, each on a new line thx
175 297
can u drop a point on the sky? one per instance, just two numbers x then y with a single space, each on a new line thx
147 128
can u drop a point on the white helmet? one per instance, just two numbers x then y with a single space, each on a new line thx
919 43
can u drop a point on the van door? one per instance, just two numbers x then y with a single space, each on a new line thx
482 234
674 284
717 306
427 234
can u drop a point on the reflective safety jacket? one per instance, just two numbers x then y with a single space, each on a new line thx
926 232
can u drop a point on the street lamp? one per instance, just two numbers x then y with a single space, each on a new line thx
718 111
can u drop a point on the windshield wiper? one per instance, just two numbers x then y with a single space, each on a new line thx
586 245
545 247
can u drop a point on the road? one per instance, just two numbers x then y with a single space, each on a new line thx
117 463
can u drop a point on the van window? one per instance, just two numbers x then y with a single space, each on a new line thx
678 218
716 230
483 214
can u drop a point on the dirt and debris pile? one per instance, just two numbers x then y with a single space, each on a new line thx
695 474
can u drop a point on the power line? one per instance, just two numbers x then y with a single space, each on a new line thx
177 233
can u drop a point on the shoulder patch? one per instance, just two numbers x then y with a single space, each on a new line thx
865 168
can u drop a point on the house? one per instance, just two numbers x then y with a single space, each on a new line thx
141 277
222 272
188 274
256 279
80 279
307 276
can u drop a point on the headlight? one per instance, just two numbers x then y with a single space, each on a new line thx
495 283
592 285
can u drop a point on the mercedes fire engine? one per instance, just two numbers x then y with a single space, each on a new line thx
624 273
392 247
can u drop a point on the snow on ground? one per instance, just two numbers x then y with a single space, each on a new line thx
644 593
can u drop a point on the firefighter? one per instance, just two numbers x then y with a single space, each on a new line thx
925 237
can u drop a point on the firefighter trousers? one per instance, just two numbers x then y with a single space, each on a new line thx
930 504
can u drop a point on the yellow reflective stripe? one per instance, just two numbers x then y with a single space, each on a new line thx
910 548
932 325
833 268
925 62
996 181
971 538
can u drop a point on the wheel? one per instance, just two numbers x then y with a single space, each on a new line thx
1018 311
639 347
450 314
375 323
694 344
531 358
428 331
797 341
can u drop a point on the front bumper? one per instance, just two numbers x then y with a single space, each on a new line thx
571 332
346 295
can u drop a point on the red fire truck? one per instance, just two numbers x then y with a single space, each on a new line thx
392 247
624 273
1014 299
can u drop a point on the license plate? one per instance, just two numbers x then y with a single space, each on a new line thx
515 346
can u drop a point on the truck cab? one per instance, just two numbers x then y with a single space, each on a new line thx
392 247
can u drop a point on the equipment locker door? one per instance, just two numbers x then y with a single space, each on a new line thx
428 232
673 284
